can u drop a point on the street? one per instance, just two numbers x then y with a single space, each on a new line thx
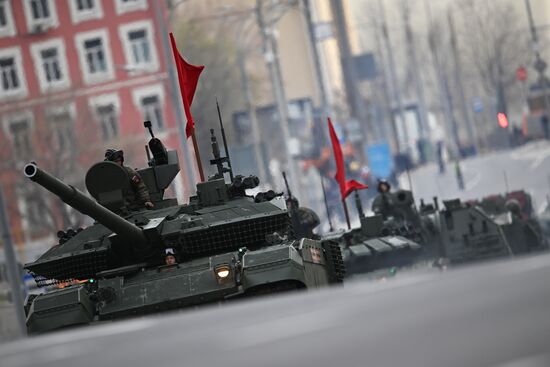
526 167
495 314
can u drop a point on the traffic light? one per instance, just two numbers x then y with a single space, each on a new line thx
502 120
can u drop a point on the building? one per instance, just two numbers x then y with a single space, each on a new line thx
85 74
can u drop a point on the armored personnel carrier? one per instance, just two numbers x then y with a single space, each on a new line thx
226 244
458 232
514 213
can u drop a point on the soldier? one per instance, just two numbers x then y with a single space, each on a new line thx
141 197
382 204
170 257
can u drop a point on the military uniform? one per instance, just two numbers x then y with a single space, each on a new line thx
141 194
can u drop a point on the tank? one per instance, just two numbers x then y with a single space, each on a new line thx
228 245
376 243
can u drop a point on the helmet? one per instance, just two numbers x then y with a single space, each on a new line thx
114 154
383 186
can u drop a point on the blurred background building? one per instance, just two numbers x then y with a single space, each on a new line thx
77 77
406 82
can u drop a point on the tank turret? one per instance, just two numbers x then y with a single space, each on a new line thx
79 201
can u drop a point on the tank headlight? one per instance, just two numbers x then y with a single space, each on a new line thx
222 271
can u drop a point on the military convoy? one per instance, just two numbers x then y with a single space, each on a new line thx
227 245
459 232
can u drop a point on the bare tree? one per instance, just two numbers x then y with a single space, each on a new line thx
215 48
494 44
62 141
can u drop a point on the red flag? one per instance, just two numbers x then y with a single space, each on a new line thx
188 76
346 187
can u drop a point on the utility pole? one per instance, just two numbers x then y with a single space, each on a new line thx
411 50
349 71
271 53
470 126
256 139
13 271
175 94
442 83
382 84
540 64
325 106
393 81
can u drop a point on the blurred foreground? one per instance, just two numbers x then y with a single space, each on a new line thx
495 314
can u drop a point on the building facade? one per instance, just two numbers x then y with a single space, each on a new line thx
86 74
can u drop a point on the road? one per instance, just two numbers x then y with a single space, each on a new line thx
526 167
495 315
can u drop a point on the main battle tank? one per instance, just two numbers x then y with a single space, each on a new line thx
376 243
229 244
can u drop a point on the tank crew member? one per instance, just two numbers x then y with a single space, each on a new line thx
170 257
384 187
382 203
141 193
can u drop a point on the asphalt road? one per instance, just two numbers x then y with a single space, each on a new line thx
526 167
495 314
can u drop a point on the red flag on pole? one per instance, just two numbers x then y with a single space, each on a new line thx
188 76
346 187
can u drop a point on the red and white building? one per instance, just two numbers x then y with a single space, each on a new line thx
69 58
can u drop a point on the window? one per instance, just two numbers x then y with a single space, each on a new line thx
40 9
20 132
8 71
84 4
50 64
149 99
40 14
138 45
108 120
3 15
106 109
152 111
7 27
63 133
124 6
12 80
61 125
82 10
95 56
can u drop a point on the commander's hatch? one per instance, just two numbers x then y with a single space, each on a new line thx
108 183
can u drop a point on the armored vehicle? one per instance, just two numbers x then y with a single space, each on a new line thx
514 213
376 243
460 232
457 233
223 244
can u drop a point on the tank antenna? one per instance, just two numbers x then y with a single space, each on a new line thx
224 141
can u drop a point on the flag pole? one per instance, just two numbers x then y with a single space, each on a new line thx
346 211
331 228
197 155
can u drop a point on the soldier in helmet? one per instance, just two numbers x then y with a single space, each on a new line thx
382 203
141 197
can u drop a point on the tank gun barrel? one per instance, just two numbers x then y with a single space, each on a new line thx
77 200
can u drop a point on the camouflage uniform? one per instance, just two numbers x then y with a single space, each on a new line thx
141 193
